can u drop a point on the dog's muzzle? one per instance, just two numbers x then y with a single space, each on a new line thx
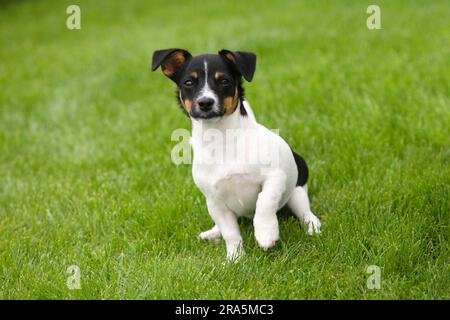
206 108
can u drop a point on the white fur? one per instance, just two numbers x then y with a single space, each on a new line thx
237 188
206 91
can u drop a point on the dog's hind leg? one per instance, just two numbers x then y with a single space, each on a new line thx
212 234
299 204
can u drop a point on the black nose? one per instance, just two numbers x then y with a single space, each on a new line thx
205 104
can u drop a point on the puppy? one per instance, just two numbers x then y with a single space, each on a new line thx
262 174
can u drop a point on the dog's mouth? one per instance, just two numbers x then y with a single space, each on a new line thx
198 114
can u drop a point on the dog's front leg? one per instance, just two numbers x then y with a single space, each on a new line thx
265 220
228 226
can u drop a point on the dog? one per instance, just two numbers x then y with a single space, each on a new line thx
210 91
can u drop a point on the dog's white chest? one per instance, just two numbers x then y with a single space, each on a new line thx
236 187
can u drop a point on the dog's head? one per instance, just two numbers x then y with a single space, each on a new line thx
209 85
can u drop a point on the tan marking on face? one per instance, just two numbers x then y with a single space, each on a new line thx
230 103
194 75
218 74
230 56
187 104
173 63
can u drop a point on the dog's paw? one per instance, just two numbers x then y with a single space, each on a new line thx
267 237
235 253
212 234
313 224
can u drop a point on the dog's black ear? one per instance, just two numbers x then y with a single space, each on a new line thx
170 60
245 62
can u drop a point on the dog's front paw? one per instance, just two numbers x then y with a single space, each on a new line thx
235 252
267 236
313 224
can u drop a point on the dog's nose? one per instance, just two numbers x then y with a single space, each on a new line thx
205 104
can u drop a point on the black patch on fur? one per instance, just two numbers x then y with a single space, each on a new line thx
302 169
241 98
242 110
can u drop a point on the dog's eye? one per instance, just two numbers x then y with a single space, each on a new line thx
224 82
189 83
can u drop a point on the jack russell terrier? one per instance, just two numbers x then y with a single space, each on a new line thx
262 175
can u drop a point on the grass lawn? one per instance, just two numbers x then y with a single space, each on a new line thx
86 177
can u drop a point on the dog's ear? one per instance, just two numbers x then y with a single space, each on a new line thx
170 60
245 62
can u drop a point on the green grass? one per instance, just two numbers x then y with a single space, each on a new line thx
86 177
